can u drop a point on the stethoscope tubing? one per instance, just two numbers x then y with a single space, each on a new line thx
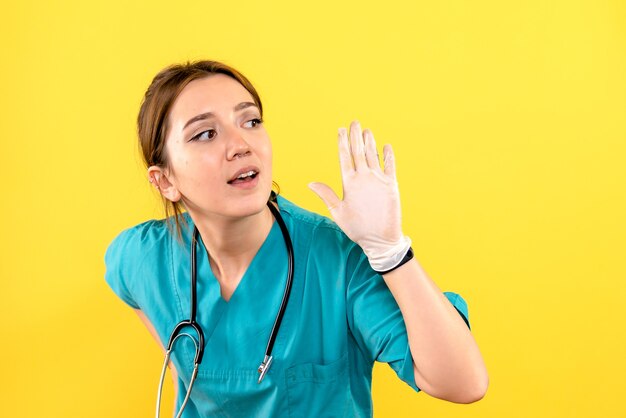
287 291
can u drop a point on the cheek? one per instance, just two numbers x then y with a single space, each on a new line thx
268 161
196 171
267 149
269 152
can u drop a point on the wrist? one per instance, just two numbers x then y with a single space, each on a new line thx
407 257
393 256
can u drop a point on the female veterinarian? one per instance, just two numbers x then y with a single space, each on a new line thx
266 309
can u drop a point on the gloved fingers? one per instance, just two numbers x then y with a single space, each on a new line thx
390 161
357 146
345 158
327 195
371 155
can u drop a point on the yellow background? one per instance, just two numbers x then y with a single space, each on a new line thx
508 120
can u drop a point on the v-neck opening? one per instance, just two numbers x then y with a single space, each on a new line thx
243 280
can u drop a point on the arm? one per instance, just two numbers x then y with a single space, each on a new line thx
121 274
153 332
446 360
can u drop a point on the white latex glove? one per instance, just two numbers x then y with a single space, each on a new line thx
369 213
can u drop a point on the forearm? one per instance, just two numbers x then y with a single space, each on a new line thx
447 362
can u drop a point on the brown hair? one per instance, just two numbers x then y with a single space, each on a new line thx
155 107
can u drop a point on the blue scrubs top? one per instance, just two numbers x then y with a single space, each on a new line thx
341 317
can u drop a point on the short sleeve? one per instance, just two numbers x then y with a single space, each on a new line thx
376 321
117 273
460 305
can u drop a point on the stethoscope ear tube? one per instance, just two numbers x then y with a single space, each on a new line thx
164 369
191 381
160 390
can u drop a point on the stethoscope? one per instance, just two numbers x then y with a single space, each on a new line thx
191 322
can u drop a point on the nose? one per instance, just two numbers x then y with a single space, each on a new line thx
237 145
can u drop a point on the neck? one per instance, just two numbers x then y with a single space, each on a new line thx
232 243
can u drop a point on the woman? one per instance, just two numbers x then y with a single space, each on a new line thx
356 295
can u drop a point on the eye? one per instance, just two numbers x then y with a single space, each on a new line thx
253 123
204 135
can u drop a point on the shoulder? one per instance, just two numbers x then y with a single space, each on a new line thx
139 238
132 254
305 216
317 227
320 238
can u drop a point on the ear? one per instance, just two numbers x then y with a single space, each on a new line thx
160 180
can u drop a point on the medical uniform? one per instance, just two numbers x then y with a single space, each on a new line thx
340 318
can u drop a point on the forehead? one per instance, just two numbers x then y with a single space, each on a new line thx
214 93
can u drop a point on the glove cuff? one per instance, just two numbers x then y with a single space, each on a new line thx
393 258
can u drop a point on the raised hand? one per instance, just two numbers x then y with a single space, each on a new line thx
369 213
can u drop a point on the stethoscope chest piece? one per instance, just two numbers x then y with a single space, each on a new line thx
264 367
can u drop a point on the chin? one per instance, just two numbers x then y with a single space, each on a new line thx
249 205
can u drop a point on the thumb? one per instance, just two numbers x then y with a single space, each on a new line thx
326 194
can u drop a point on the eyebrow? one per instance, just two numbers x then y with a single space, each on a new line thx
208 115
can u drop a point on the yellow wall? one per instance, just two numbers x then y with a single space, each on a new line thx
509 124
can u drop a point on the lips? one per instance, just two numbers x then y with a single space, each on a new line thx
242 171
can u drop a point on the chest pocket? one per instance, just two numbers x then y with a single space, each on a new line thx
319 390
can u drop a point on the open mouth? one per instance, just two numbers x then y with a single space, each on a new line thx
244 177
